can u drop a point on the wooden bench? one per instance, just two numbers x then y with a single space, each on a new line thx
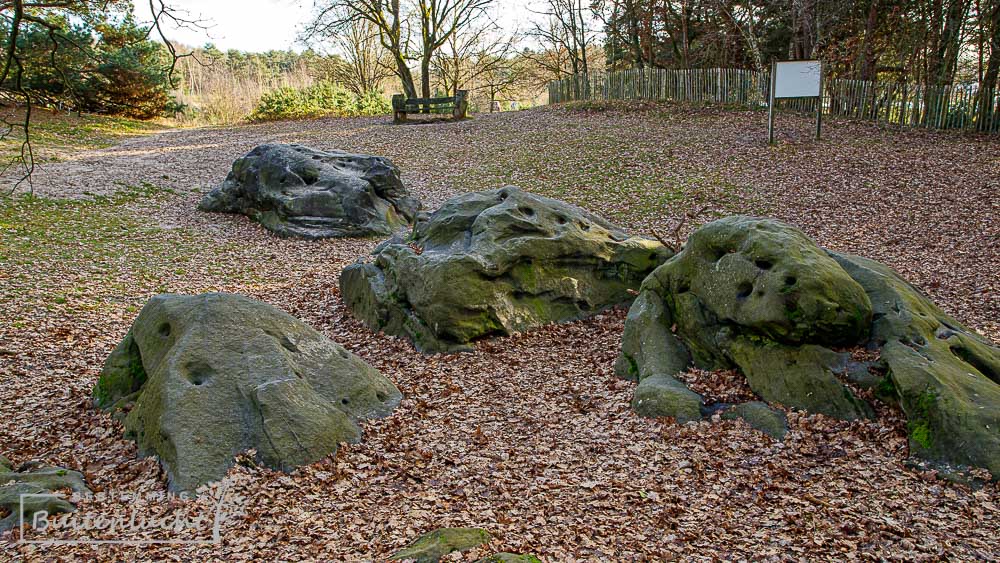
458 105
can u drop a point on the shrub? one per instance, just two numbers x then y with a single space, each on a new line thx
99 65
320 99
373 103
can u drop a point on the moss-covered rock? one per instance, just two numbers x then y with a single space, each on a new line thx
662 395
494 263
760 416
40 482
799 376
47 477
763 278
945 376
299 191
432 546
214 375
752 294
757 295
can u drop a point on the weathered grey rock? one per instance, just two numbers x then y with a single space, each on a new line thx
432 546
945 376
760 416
494 263
299 191
214 375
662 395
40 481
759 296
45 476
756 295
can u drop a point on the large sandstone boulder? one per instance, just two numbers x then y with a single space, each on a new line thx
295 190
758 295
213 375
494 263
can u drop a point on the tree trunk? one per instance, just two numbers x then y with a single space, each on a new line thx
405 76
803 34
988 86
425 80
425 76
867 66
582 26
635 42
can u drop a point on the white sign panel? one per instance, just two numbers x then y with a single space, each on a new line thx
796 79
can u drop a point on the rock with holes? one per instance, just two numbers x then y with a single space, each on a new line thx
493 263
759 296
206 377
299 191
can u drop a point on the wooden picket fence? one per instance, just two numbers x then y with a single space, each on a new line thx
893 103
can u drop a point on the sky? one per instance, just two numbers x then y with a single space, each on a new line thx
263 25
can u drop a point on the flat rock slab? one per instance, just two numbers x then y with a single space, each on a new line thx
299 191
210 376
493 263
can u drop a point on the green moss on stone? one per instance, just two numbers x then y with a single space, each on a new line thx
123 375
919 423
432 546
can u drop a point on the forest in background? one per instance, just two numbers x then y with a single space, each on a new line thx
92 56
931 42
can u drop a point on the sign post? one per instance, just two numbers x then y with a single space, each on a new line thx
795 79
770 105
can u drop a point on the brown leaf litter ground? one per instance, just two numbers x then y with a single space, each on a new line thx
530 437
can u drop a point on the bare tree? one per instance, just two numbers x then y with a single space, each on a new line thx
501 76
52 16
472 53
440 20
435 20
564 28
388 17
366 64
552 60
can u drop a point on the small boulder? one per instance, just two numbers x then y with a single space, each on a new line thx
662 395
760 416
299 191
210 376
494 263
432 546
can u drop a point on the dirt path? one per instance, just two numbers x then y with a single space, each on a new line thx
530 437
